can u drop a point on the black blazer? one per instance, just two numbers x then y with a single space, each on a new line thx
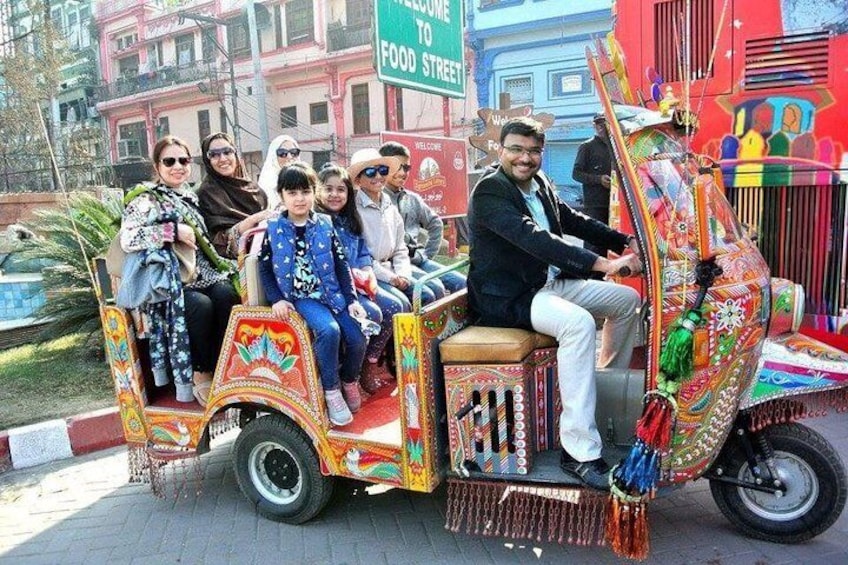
510 254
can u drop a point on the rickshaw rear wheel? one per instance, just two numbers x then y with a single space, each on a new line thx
278 470
810 469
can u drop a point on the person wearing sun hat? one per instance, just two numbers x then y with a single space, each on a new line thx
382 227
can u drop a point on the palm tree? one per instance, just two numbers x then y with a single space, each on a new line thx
71 304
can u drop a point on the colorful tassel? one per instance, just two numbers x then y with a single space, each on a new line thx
677 354
627 526
655 426
640 471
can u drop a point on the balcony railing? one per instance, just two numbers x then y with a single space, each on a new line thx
160 78
344 37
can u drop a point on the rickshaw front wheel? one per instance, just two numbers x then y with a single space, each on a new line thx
278 470
813 476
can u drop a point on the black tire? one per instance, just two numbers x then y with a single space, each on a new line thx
278 470
815 481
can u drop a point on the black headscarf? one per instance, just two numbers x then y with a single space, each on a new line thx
225 201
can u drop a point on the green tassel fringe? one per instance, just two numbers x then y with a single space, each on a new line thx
676 359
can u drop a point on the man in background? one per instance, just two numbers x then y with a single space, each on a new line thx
418 219
592 169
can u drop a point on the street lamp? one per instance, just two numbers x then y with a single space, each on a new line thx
199 18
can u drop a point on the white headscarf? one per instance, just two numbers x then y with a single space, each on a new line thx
271 170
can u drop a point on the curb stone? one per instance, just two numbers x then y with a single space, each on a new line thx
27 446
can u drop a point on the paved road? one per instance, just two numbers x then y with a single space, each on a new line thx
83 511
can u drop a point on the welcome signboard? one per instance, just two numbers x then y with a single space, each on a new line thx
439 172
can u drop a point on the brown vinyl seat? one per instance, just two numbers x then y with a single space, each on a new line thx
487 345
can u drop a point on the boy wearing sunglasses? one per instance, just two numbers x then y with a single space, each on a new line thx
418 219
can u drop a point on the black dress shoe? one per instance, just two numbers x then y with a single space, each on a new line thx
594 474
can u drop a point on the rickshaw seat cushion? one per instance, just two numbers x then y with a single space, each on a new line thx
482 344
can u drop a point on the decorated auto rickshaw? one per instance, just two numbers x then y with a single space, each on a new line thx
714 392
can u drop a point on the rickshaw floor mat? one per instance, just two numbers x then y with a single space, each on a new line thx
545 468
378 420
166 398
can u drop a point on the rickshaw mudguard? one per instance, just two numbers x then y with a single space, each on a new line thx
793 365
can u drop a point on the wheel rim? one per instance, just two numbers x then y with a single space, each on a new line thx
802 490
275 473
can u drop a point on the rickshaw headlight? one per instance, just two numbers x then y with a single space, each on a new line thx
798 311
787 307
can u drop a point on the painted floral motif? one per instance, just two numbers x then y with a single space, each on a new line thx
729 315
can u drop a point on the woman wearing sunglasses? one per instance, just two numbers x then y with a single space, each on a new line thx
186 331
230 202
282 151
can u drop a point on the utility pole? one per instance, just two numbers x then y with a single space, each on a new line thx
258 79
198 18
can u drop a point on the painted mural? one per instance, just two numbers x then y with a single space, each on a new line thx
771 111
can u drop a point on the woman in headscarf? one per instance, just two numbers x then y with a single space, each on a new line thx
230 202
283 151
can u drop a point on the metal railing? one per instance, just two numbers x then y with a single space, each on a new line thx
341 37
801 232
159 78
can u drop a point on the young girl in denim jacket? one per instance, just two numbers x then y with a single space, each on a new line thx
303 268
337 198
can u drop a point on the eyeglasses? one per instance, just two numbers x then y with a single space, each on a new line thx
218 153
517 150
406 168
283 152
171 161
371 172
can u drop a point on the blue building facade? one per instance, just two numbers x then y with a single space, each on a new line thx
535 51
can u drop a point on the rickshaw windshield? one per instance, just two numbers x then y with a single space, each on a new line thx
668 181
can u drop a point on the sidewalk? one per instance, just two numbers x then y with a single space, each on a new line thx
82 510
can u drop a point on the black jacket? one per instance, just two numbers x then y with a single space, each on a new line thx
510 254
592 162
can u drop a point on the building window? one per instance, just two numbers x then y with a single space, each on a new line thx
154 56
520 89
204 127
163 126
318 113
319 159
361 109
288 117
358 12
299 21
128 66
222 116
239 37
278 27
132 140
207 46
185 49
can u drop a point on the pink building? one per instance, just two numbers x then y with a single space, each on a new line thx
165 74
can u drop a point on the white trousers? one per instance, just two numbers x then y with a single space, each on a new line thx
566 310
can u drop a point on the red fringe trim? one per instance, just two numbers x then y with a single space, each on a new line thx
790 409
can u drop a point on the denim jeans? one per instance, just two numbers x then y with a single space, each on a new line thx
452 281
328 332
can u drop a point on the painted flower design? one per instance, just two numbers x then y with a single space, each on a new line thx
730 315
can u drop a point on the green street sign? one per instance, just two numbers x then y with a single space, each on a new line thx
419 44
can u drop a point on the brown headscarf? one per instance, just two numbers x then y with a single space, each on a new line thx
225 201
